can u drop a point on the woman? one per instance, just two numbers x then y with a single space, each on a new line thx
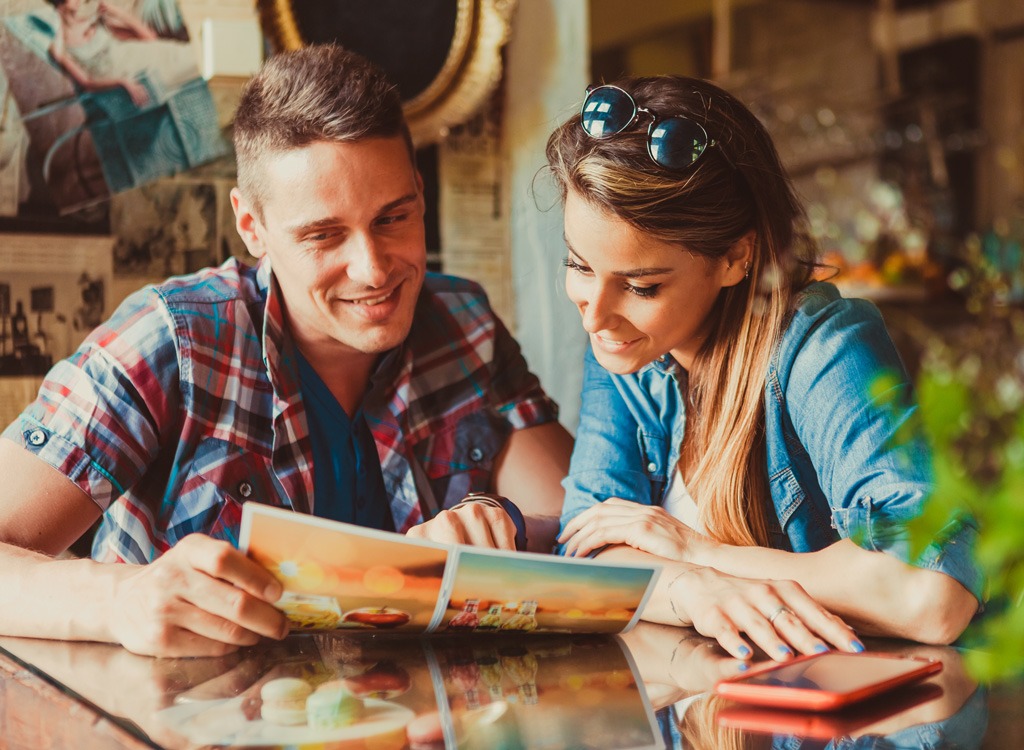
102 46
742 425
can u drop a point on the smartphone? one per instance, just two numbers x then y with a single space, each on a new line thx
825 725
825 682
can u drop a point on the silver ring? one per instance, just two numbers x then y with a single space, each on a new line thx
776 613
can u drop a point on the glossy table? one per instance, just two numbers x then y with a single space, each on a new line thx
648 688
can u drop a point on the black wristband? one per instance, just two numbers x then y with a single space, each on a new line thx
510 508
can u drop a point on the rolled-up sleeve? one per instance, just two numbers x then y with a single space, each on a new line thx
99 413
852 406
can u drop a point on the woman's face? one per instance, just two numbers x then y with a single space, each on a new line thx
639 297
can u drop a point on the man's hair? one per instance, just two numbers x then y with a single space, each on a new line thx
316 93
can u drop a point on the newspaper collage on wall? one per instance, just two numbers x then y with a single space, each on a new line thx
104 121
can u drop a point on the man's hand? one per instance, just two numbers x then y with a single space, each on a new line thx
201 598
478 524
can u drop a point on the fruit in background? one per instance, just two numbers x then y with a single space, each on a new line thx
385 680
378 617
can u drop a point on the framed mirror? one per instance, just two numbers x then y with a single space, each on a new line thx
444 55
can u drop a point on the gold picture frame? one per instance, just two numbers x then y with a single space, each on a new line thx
471 68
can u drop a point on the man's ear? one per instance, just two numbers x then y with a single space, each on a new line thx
739 259
247 224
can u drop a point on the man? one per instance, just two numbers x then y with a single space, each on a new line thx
337 378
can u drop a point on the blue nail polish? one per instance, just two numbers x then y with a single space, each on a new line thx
785 650
743 651
856 646
821 648
743 666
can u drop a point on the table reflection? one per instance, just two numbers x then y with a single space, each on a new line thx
950 710
648 688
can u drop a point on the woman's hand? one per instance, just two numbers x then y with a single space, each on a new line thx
643 527
777 616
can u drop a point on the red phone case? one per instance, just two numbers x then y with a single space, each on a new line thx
824 725
822 699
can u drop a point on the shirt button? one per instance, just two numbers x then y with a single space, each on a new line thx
37 438
475 454
245 489
652 467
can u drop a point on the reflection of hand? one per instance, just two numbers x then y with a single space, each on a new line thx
675 662
643 527
778 616
477 524
201 598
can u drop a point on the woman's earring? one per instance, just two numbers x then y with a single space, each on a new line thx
746 270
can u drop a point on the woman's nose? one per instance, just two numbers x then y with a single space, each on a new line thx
598 312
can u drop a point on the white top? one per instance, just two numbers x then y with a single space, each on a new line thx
679 504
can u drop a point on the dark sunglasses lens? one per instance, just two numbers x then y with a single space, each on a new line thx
606 111
676 142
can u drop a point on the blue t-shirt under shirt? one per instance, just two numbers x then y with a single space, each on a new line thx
347 481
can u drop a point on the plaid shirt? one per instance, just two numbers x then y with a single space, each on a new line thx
186 404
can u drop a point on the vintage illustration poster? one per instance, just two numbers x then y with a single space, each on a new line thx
99 98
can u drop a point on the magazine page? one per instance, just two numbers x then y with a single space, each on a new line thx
340 576
542 691
497 591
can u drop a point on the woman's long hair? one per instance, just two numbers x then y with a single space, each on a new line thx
737 186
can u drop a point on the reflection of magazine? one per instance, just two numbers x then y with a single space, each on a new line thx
339 576
465 692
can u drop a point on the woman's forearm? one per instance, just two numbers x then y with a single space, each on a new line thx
873 591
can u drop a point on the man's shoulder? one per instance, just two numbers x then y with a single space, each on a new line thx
449 303
452 289
225 284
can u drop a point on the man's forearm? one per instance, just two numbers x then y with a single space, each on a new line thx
43 597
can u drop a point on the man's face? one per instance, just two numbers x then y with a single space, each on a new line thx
342 224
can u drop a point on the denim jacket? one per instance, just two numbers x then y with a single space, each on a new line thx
835 397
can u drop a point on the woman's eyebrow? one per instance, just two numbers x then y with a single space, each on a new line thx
632 273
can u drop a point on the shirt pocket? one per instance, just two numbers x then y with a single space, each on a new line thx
459 458
787 495
654 453
221 478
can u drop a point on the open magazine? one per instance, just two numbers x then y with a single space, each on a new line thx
340 576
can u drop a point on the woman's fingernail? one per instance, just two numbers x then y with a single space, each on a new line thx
821 648
743 666
743 651
785 650
856 645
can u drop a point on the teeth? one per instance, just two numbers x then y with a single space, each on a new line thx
371 301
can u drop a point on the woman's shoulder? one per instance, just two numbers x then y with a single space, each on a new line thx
825 324
820 304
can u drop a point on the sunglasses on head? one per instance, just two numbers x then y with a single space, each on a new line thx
674 142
